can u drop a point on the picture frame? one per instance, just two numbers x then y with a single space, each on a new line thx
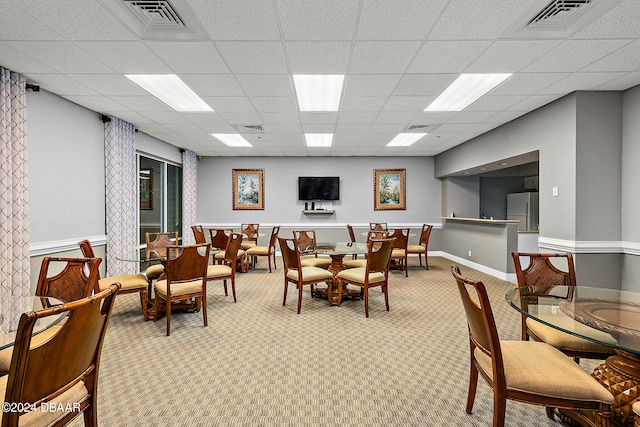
389 189
146 189
248 189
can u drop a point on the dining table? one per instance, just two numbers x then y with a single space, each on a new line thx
12 308
605 316
337 251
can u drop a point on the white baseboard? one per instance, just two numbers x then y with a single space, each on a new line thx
510 277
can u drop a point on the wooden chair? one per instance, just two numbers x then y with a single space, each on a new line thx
422 247
198 234
130 283
61 371
525 371
371 235
542 271
400 255
220 239
157 248
227 270
186 277
295 272
249 235
307 245
352 239
66 279
266 251
375 273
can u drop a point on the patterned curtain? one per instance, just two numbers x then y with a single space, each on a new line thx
121 194
189 187
14 194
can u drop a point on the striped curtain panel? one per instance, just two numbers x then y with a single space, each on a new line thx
189 189
121 194
14 194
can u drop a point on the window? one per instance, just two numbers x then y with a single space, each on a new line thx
160 195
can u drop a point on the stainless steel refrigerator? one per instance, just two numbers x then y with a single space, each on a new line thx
523 207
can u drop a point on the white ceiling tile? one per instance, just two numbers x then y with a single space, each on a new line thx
307 117
624 82
580 81
395 117
253 57
142 103
504 117
97 103
62 56
213 84
431 117
126 57
355 118
276 128
274 104
324 20
527 83
217 127
166 117
131 117
386 20
620 22
573 55
318 127
109 84
349 128
510 56
371 84
495 103
363 103
18 25
189 57
318 57
266 85
532 102
479 19
61 84
382 57
241 118
407 103
184 129
21 62
470 117
238 19
626 58
203 118
393 128
446 56
225 104
424 84
280 117
454 127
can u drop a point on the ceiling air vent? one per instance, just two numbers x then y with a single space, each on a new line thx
421 128
249 128
170 20
557 18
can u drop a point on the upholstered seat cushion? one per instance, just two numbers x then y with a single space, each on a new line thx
221 254
562 340
5 355
178 288
415 249
260 250
154 271
310 273
316 262
218 271
355 263
76 394
128 281
358 275
247 245
398 253
538 368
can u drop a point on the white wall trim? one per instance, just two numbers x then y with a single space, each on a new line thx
509 277
48 248
589 247
324 225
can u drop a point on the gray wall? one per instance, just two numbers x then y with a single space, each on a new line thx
281 190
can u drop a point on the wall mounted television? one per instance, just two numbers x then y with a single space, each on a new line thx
318 188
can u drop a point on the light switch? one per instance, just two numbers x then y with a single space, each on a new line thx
555 191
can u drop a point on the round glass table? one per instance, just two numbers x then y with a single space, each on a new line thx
605 316
337 251
12 307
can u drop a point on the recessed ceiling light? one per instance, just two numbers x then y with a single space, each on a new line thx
465 90
318 139
318 92
405 139
171 90
232 139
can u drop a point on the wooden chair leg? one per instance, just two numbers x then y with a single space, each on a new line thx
143 302
366 301
473 384
226 292
269 259
204 308
286 285
420 259
550 412
385 289
168 314
299 297
233 287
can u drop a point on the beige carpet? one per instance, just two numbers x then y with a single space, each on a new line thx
260 364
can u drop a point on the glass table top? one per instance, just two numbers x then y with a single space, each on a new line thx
12 307
341 248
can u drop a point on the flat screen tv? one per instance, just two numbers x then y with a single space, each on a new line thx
318 188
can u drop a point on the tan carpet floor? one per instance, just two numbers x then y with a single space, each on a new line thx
261 364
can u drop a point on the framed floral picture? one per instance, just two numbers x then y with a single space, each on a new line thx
248 189
389 189
146 189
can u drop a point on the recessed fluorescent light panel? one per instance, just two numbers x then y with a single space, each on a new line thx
317 92
318 139
405 139
465 90
232 139
171 90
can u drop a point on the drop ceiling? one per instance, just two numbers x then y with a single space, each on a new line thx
397 56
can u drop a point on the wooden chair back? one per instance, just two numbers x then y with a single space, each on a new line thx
157 243
219 237
231 250
352 234
250 232
377 235
541 270
36 376
86 249
68 279
378 226
306 240
425 234
379 255
290 253
198 234
402 237
186 263
274 237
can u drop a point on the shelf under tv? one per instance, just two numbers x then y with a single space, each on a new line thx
318 212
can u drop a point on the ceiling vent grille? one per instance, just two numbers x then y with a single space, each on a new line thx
558 7
421 128
167 20
249 128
